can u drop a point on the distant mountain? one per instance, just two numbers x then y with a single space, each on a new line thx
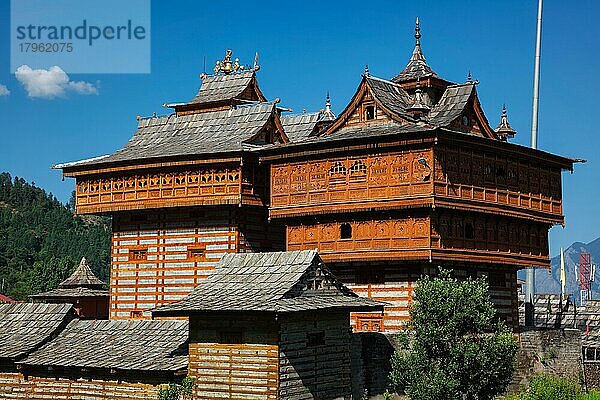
549 282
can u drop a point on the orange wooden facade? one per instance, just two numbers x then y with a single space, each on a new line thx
160 256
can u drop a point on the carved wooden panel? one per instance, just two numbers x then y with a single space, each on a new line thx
355 238
490 182
491 236
205 186
373 181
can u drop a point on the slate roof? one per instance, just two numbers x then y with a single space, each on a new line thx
24 327
392 95
72 292
271 282
216 88
134 345
451 105
416 68
191 134
82 277
299 126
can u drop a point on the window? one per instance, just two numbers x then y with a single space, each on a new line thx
465 120
369 113
346 231
136 314
469 231
358 168
195 253
315 339
138 254
337 170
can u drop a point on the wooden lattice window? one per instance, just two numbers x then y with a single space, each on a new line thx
358 169
337 170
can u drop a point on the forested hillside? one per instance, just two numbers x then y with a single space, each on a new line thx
41 241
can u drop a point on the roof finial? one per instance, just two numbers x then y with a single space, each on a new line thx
504 130
227 66
469 77
417 32
327 114
366 70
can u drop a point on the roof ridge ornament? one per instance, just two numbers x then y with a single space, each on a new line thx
504 130
227 66
327 114
366 73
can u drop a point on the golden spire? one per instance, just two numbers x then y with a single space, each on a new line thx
227 66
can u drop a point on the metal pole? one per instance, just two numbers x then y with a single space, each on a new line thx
530 271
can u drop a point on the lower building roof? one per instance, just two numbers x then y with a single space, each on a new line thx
24 327
133 345
276 282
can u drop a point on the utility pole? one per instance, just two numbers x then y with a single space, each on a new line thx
530 271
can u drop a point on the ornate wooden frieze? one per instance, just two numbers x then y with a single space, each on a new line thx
441 235
470 179
485 238
226 185
384 238
351 183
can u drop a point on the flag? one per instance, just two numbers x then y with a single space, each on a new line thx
563 276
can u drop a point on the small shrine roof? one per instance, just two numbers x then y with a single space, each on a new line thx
269 282
82 277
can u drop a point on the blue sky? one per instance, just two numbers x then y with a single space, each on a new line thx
308 48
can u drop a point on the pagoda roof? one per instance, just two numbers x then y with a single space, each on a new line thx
82 277
134 345
207 133
417 67
24 327
278 282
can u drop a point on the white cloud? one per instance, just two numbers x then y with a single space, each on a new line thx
50 83
4 90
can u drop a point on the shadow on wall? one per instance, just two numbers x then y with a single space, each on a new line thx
371 353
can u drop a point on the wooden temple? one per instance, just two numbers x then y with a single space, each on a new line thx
82 289
409 177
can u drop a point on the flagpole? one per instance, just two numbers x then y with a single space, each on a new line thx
530 271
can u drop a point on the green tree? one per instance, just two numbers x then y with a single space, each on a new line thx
453 349
178 391
41 241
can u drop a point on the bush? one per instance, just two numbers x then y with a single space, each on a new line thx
453 349
546 387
